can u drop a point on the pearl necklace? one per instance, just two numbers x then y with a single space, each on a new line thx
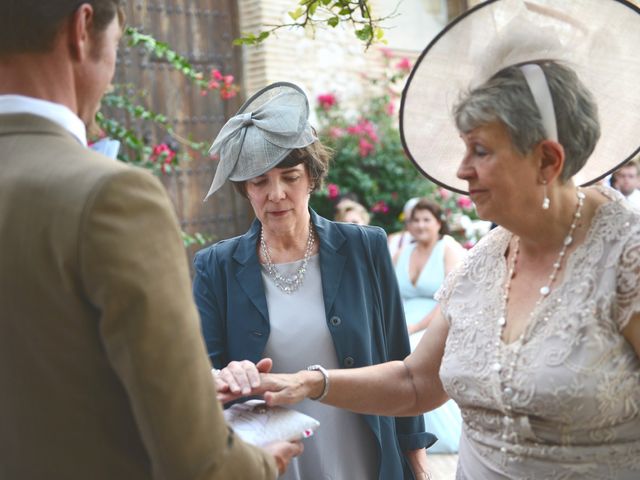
509 434
287 283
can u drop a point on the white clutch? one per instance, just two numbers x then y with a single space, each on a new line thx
258 424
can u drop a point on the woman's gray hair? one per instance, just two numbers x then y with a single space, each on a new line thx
506 97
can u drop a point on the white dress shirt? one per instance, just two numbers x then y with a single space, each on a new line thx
634 199
63 116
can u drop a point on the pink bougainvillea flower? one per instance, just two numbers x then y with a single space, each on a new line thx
333 191
327 100
404 65
213 85
380 207
444 193
364 128
464 202
365 148
386 52
390 108
227 79
162 153
335 132
215 74
227 93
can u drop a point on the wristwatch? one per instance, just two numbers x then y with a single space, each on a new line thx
325 375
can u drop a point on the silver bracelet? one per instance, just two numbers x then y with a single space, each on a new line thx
325 375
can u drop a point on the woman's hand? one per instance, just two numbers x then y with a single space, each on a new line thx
240 379
290 388
283 452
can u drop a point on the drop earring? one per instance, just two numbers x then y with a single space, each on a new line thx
545 201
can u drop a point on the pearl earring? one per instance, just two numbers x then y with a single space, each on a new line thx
545 201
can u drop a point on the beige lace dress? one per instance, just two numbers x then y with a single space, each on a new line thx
565 402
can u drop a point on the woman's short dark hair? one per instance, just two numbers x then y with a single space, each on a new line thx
31 26
436 211
506 97
315 158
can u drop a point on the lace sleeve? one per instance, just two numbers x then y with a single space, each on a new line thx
443 294
627 301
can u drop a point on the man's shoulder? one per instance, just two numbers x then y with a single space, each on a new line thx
219 252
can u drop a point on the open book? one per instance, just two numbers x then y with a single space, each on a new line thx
258 424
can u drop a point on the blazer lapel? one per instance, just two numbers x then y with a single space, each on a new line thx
332 260
249 275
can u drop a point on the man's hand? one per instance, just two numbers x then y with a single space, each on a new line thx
240 379
283 452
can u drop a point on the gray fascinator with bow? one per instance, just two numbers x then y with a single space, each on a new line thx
269 125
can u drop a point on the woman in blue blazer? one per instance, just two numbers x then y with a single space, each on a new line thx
303 290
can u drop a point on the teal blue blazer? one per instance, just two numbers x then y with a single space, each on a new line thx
362 304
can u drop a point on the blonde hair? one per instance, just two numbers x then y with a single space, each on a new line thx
346 206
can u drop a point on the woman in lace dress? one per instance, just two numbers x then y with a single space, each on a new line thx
299 290
539 337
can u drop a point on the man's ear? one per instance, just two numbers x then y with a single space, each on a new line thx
551 160
79 30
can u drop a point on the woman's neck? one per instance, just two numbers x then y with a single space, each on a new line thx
426 246
544 231
287 245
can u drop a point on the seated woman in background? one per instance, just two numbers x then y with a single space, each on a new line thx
350 211
300 290
421 268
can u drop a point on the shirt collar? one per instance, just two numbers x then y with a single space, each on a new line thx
55 112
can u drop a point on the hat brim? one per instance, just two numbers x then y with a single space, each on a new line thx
599 39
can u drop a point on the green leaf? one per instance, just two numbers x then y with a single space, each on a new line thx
364 33
333 21
296 14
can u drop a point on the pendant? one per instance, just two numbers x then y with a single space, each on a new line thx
544 291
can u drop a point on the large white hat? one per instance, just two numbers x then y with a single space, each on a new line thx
598 39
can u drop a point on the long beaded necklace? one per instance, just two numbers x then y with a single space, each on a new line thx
506 379
287 283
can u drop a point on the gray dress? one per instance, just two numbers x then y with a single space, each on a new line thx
343 448
565 403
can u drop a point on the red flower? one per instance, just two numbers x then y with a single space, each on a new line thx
380 207
327 100
464 203
222 83
335 132
390 108
162 154
364 128
333 191
386 52
216 74
365 148
404 65
444 193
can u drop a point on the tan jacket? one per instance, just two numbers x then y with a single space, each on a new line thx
103 371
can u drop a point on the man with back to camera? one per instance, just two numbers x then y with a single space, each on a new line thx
103 371
627 180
